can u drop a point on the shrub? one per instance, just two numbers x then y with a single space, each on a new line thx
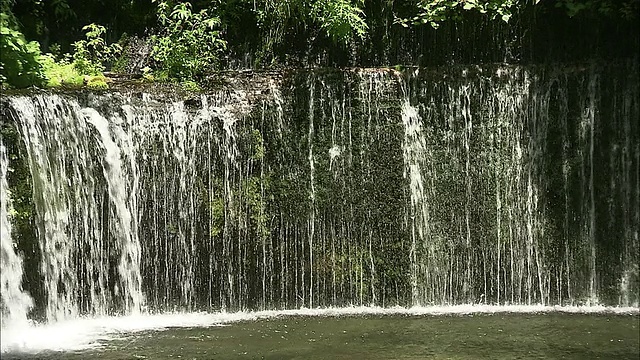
92 54
189 42
19 58
340 19
60 73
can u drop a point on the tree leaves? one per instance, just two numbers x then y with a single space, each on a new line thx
19 59
189 42
341 19
434 12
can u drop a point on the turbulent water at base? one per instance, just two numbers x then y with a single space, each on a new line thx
481 185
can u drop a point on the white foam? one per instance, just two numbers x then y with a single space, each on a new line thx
87 333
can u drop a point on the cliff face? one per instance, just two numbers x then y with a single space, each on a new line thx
463 184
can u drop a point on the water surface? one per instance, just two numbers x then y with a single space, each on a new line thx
551 335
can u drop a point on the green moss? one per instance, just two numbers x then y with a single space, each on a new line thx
23 211
98 82
189 85
253 189
257 143
161 75
217 216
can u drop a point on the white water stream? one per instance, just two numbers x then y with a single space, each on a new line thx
14 301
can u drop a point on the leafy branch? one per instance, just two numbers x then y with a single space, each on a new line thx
340 19
189 42
434 12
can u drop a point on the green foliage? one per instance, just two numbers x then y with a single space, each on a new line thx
253 191
251 194
85 65
340 19
60 73
23 208
147 75
98 82
217 216
189 43
434 12
190 85
63 10
92 54
23 65
19 58
257 143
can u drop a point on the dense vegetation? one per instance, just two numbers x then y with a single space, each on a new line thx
71 42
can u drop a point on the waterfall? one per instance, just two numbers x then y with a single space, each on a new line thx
15 301
78 244
415 152
123 227
495 184
312 193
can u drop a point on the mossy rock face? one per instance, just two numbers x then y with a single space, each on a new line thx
23 212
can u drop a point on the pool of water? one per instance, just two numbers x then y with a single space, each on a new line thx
402 335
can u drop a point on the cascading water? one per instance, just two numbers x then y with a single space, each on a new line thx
415 152
79 245
60 200
123 227
15 302
498 185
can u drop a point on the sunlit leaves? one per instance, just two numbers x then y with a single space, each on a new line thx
92 53
181 12
19 58
434 12
340 19
189 42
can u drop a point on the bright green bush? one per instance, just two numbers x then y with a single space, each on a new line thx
85 65
19 58
59 73
342 20
189 44
188 85
22 64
